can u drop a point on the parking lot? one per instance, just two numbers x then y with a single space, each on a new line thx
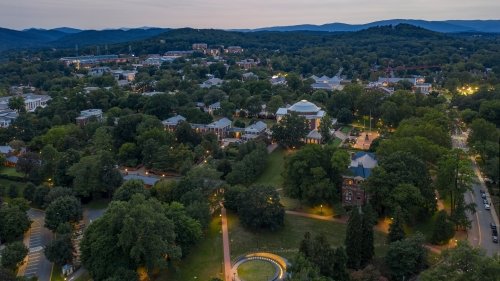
38 236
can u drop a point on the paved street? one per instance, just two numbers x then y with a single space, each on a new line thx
479 234
37 237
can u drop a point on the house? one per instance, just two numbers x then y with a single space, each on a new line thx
234 50
87 61
247 63
254 131
171 123
361 166
214 107
128 75
11 156
278 80
99 71
249 76
326 83
220 127
200 46
418 83
89 115
7 116
213 82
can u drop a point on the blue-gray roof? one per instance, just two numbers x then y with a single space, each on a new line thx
362 164
4 149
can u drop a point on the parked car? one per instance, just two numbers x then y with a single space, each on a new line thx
486 206
485 201
494 235
493 226
482 191
483 195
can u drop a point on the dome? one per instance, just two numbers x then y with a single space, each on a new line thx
304 106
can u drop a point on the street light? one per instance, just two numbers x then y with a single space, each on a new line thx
321 208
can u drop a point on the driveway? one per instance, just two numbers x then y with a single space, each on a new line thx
35 240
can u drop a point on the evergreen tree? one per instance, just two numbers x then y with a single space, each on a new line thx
396 231
368 220
353 240
306 245
339 272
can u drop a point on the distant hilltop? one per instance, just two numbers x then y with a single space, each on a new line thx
447 26
68 37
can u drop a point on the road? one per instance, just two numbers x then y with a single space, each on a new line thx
479 234
35 239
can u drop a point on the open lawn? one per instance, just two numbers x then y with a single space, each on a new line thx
256 270
10 171
204 261
56 273
275 166
285 242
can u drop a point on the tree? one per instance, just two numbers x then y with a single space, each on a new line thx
367 240
63 209
345 116
60 250
396 230
85 175
129 154
13 255
49 158
129 189
442 230
483 133
13 222
260 207
249 168
463 263
353 243
29 191
290 131
142 236
406 257
160 105
27 163
17 104
325 128
275 103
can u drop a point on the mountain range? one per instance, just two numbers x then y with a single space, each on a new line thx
448 26
67 37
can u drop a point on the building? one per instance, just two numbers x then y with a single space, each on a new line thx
99 71
128 75
234 50
7 116
249 76
212 82
89 115
171 123
254 131
310 112
247 63
353 192
418 83
278 80
87 61
200 46
326 83
220 127
31 101
178 54
214 107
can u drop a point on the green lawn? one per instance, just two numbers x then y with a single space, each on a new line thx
275 166
205 260
256 270
285 242
336 142
345 129
10 171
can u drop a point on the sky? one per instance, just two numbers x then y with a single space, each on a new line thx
228 14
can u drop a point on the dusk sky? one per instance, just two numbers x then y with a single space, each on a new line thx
100 14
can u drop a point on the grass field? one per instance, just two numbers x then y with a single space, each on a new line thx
10 171
56 274
275 166
285 242
256 270
204 261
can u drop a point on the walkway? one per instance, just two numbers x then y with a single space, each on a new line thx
225 245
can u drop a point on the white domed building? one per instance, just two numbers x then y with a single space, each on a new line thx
308 110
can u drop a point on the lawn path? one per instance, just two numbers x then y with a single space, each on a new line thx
225 245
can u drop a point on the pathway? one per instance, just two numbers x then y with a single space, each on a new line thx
225 245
